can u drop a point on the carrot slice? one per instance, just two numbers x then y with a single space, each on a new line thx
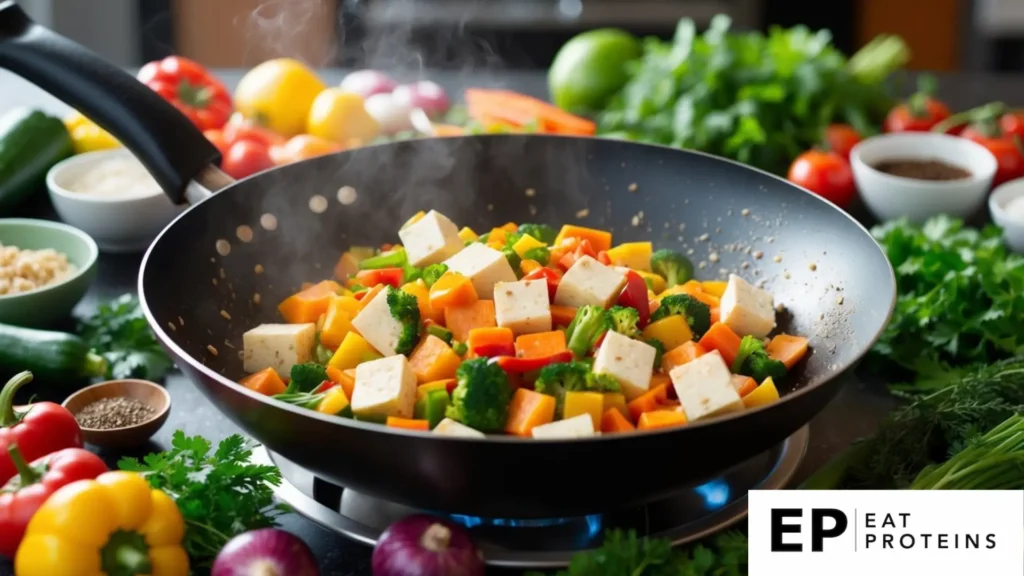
787 349
433 359
408 423
308 304
452 289
461 319
562 315
528 410
694 289
344 378
661 419
720 337
540 344
613 421
599 239
491 337
520 109
685 352
266 382
744 384
649 401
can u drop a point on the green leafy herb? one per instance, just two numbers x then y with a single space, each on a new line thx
119 332
220 493
995 461
760 99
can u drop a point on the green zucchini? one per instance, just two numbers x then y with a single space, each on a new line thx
31 142
49 356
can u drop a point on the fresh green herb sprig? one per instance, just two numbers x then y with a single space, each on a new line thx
119 332
994 461
220 494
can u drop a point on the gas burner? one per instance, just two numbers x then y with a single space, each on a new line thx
513 543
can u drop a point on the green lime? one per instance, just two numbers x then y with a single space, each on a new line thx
590 68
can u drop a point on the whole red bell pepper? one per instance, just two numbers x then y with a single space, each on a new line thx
35 482
634 295
191 89
522 365
39 429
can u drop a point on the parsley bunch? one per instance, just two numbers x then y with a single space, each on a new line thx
220 494
119 332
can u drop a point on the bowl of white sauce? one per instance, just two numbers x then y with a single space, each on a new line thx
110 195
1006 204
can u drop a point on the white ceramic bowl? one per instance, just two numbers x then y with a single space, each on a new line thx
1013 228
889 196
118 224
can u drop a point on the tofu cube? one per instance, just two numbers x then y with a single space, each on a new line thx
377 326
748 310
522 306
705 388
580 426
484 266
431 239
589 282
384 387
278 346
449 427
630 361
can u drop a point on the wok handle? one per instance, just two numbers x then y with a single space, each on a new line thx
168 144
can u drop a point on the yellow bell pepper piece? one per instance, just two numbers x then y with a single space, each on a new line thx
677 289
86 136
635 255
763 395
599 239
115 524
337 321
655 281
353 351
496 238
467 234
714 287
616 400
526 243
672 331
414 219
591 403
334 401
422 293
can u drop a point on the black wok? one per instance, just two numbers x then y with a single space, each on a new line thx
834 281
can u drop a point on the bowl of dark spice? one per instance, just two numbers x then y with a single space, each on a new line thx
120 413
921 174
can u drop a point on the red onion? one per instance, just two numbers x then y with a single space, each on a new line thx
366 83
422 545
425 94
265 552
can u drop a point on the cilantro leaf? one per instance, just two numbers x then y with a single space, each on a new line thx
119 332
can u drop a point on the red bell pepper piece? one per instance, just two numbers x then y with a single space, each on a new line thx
40 429
25 493
324 387
552 277
634 295
390 276
200 96
493 350
523 365
603 258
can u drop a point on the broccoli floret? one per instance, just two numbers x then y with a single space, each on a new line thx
433 272
659 350
513 259
542 232
586 327
411 273
753 360
696 313
557 379
405 309
624 320
440 332
481 398
306 377
671 265
541 254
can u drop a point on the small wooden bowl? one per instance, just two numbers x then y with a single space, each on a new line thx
149 393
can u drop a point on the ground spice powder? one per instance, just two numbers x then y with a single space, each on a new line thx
109 413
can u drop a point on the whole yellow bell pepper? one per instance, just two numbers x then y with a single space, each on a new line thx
86 136
113 525
278 95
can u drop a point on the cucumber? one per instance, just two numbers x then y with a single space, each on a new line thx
31 142
49 356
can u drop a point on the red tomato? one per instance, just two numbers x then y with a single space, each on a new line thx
1012 124
245 158
216 137
841 138
826 174
237 130
919 114
191 88
1009 161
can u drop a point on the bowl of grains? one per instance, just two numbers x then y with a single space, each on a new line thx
120 413
45 269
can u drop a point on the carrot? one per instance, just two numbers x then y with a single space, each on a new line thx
497 238
527 410
520 109
347 266
266 382
613 421
510 227
433 359
443 130
787 349
527 266
661 419
694 289
599 239
744 384
716 314
720 337
648 401
308 304
461 319
452 289
562 315
540 344
407 423
491 337
685 352
369 295
344 378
